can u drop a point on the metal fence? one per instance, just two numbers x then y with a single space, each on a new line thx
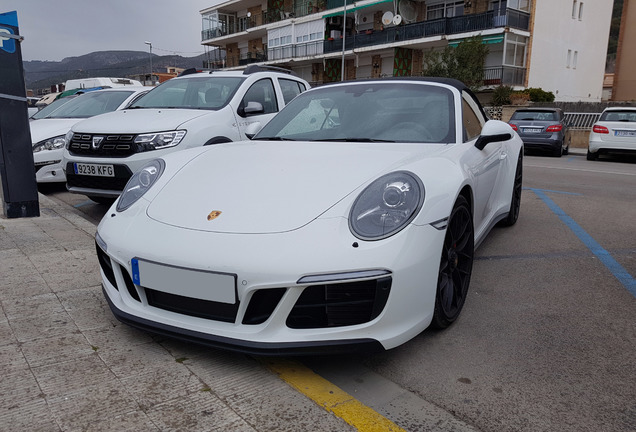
581 121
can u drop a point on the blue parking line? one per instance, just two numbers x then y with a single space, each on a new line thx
82 204
554 191
604 256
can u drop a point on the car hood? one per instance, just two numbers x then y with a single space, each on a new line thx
48 128
273 187
138 121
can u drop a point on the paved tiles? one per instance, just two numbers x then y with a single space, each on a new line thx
69 365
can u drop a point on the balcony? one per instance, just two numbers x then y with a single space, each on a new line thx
306 49
443 26
504 75
227 24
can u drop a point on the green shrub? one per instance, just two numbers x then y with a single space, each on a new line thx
501 95
540 95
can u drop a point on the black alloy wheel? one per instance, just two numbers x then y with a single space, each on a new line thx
456 265
515 202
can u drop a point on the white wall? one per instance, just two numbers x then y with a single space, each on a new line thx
554 33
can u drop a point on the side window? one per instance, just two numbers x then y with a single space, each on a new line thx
472 119
290 89
262 91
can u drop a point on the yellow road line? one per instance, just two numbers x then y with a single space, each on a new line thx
330 397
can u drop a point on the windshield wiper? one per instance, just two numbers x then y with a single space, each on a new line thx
273 139
354 140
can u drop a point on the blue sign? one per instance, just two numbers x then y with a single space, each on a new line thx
6 44
8 20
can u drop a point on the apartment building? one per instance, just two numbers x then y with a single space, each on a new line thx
557 45
624 84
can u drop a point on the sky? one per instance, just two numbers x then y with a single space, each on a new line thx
55 29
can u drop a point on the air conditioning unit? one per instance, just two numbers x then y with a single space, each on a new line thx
335 20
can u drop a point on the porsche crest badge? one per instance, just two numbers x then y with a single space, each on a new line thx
214 214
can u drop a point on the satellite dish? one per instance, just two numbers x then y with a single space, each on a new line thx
397 20
387 18
408 10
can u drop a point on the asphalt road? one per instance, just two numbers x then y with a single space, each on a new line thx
547 338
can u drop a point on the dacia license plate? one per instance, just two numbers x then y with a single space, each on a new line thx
94 170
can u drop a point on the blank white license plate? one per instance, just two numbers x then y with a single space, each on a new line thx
198 284
532 130
94 170
622 133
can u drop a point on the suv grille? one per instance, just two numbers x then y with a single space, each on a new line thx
100 145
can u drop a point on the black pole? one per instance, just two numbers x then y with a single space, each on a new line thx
19 189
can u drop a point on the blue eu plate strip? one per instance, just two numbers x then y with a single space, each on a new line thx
135 271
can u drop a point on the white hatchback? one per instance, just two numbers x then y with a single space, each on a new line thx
51 124
614 132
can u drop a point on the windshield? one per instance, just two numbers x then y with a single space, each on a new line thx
202 92
91 104
367 112
47 110
619 115
535 116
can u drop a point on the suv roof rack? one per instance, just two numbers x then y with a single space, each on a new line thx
264 68
189 71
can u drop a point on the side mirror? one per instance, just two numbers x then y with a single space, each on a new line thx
252 129
252 108
494 130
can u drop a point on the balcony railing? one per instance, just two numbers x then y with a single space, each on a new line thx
504 75
442 26
295 51
244 23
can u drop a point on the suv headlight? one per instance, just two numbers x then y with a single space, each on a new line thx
386 206
49 144
159 140
140 183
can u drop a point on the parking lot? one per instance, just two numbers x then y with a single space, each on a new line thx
546 340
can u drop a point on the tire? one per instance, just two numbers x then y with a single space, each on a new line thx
591 156
515 201
456 266
558 152
102 200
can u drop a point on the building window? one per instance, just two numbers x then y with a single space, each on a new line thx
446 9
574 9
569 59
581 11
523 5
574 59
515 50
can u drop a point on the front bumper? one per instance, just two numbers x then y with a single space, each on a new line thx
48 166
276 311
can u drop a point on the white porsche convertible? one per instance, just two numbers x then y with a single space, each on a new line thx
348 223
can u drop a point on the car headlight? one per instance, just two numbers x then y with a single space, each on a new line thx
140 183
57 142
68 138
159 140
386 206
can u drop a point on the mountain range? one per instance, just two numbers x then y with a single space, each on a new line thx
43 74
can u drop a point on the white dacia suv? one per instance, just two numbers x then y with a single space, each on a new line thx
194 109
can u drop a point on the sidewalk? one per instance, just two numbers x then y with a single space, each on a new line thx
69 365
